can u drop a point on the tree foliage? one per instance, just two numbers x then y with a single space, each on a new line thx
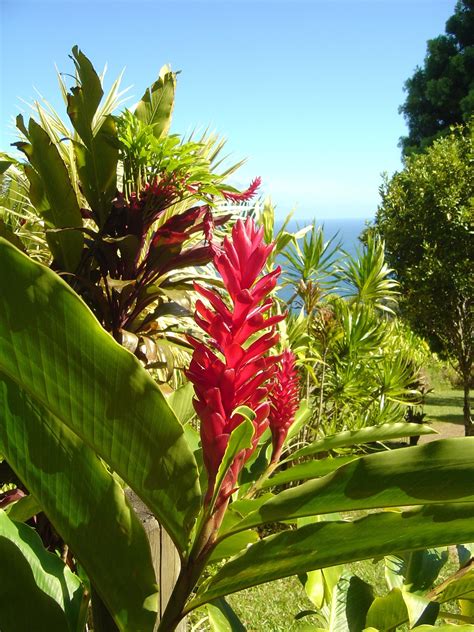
441 93
425 218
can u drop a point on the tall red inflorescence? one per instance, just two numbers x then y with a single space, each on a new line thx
284 401
232 368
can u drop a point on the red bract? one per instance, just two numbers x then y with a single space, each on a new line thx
232 370
245 195
283 401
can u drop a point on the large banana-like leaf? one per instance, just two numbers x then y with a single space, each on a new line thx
329 543
85 504
53 195
97 154
37 590
54 348
438 472
156 105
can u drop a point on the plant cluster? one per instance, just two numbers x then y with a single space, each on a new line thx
83 420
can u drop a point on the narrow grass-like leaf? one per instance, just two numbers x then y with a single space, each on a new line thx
307 470
386 432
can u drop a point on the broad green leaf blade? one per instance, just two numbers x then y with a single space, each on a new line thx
97 154
82 104
416 571
385 432
398 607
85 504
240 439
233 545
307 470
181 402
36 587
23 509
156 105
460 586
222 618
359 598
388 611
438 472
53 196
447 627
54 348
302 415
329 543
313 584
419 608
97 168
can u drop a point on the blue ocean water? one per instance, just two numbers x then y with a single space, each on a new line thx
344 230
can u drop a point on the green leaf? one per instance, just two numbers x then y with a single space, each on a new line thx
240 439
222 618
306 470
437 472
388 611
53 195
31 575
371 434
23 509
415 571
233 545
447 627
302 415
358 601
329 543
54 348
97 154
181 401
399 607
7 233
156 105
84 503
82 104
455 588
97 168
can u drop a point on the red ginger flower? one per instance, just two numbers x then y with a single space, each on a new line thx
283 401
228 372
244 196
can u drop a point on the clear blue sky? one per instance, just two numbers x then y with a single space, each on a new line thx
307 91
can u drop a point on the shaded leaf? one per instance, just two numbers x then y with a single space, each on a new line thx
53 346
84 503
30 574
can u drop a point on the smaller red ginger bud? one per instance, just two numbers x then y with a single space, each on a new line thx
283 401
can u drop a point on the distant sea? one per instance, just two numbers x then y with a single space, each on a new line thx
344 230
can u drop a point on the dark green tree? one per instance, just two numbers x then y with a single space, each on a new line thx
441 93
426 220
